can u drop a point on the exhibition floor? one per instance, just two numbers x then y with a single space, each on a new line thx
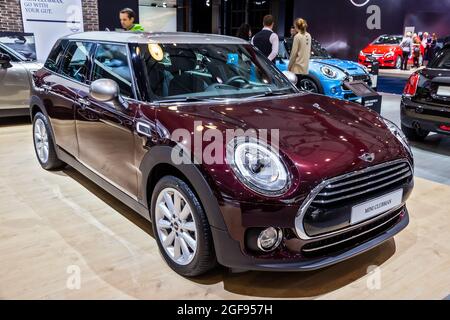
52 223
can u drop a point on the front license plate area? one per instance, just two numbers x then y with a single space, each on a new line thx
374 207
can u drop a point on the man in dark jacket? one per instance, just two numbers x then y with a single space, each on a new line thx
266 40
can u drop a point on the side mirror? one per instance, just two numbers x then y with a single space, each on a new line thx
292 77
107 90
5 61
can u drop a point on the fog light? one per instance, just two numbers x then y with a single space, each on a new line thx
269 239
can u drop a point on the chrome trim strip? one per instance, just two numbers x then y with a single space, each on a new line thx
355 236
332 186
328 194
300 230
362 192
140 128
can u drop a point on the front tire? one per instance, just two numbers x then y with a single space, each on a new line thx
44 145
398 63
415 134
309 85
181 228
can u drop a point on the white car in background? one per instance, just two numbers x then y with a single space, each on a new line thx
15 81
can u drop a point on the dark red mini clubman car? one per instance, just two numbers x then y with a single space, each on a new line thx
203 136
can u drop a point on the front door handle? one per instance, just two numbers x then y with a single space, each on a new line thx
83 103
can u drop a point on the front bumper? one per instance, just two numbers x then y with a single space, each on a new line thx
384 62
336 89
427 117
229 251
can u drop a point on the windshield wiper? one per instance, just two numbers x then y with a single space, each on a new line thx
269 94
186 99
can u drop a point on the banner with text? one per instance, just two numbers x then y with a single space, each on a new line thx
49 20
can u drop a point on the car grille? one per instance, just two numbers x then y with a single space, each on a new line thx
364 183
361 77
352 237
375 55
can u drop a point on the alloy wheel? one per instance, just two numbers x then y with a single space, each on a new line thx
398 63
308 85
175 224
41 140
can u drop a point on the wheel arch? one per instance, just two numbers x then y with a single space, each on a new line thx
36 105
316 80
157 163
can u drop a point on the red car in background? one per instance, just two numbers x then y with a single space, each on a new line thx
386 49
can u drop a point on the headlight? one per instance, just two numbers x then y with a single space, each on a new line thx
398 134
361 53
258 166
329 72
389 54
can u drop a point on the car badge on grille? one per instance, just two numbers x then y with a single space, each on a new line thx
367 157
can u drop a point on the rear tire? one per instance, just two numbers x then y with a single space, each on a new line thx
44 145
414 134
181 228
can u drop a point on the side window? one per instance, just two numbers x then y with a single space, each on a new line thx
13 58
111 62
76 61
55 56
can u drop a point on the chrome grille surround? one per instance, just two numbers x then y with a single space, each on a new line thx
299 228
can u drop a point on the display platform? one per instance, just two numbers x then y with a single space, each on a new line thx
395 73
58 227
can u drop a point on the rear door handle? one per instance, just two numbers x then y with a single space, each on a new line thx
46 88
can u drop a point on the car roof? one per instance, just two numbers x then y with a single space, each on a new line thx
155 37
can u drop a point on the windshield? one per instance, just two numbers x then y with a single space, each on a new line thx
317 51
442 60
209 71
388 40
23 45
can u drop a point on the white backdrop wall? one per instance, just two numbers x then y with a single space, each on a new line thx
49 20
158 19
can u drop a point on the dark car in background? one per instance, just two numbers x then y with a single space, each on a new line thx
425 105
113 106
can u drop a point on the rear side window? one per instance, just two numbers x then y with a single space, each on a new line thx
111 62
55 56
442 60
76 61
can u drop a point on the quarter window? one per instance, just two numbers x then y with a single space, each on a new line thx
55 56
111 62
76 61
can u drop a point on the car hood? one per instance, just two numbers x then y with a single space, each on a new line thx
380 48
352 68
322 137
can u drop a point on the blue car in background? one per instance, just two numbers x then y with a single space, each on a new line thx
326 75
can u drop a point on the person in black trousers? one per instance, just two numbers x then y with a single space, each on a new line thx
406 46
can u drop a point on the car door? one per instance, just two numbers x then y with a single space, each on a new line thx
14 83
106 133
61 92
